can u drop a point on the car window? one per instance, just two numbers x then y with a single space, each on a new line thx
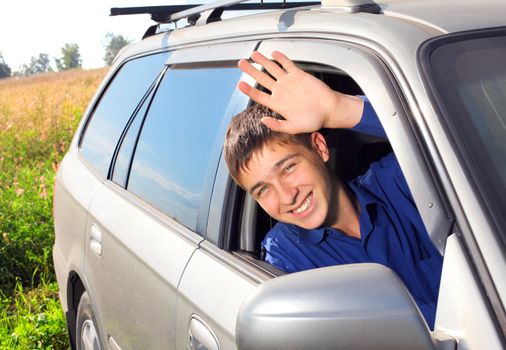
172 154
122 161
361 151
469 76
116 107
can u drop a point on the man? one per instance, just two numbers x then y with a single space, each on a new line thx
276 154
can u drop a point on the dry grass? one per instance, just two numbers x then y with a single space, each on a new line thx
47 102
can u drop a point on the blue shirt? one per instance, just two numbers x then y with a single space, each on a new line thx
391 232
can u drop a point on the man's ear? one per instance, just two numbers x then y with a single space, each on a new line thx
320 145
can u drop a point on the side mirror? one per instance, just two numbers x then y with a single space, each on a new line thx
362 306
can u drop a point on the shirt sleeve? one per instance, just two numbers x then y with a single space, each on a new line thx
386 176
369 123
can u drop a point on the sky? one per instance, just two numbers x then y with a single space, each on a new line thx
30 27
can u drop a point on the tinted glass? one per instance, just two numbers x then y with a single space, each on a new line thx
124 156
116 107
172 155
470 76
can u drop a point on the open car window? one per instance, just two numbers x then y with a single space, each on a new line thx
351 153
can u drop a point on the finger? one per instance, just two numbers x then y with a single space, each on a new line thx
262 78
255 94
275 124
275 70
285 61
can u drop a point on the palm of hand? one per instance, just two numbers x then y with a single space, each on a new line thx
303 100
296 96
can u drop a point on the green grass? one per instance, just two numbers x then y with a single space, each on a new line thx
32 319
38 116
26 225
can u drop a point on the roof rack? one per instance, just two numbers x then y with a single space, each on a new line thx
211 11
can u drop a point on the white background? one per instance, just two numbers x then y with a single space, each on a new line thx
30 27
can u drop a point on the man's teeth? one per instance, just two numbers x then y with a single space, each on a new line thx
304 206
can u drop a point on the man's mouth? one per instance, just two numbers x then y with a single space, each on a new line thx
304 206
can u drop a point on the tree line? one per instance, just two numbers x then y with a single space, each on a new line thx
70 58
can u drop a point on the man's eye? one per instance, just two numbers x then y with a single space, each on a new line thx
262 191
288 168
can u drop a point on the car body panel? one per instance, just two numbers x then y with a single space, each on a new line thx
144 258
75 187
462 311
213 288
465 14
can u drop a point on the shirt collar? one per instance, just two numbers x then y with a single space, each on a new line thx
310 236
367 204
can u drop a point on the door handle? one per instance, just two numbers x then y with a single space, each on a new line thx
96 239
201 336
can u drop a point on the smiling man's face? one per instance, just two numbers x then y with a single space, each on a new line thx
291 182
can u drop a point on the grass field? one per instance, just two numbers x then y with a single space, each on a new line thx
38 116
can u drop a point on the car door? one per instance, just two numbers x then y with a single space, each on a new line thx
134 260
134 255
216 281
145 221
126 87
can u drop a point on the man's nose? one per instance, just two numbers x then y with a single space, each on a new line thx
287 194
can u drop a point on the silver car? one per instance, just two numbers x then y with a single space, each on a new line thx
157 248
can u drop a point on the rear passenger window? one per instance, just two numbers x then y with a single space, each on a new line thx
115 108
124 156
172 155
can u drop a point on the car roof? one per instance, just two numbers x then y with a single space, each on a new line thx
448 15
400 26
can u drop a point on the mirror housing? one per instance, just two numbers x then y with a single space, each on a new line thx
359 306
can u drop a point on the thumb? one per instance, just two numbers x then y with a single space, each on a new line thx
275 124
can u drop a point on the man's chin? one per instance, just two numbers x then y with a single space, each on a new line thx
310 227
309 224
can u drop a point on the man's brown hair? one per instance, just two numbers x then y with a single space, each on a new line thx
247 134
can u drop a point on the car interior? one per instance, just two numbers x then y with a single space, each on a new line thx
351 154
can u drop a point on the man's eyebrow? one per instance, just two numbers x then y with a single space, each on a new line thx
280 162
276 166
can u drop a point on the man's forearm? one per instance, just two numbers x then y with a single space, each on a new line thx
345 111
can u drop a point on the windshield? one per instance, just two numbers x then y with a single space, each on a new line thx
468 73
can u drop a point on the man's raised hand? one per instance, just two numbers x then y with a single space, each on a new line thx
304 101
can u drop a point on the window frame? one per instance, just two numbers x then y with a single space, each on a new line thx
208 181
378 82
372 75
